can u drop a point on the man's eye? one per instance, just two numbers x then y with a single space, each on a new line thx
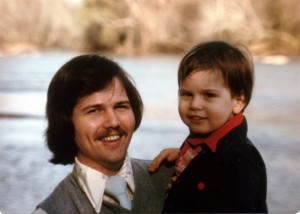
123 106
94 110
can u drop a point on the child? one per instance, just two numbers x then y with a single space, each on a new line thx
218 169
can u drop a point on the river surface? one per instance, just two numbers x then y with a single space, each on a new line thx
26 176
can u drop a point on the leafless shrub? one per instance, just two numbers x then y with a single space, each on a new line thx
38 22
281 20
151 26
143 26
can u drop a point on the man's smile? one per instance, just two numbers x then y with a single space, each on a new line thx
111 138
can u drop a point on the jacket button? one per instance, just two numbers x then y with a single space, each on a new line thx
201 185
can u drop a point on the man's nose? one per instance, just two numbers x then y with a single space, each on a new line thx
111 119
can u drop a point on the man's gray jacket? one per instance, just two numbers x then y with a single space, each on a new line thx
149 194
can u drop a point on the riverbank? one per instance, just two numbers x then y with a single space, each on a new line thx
134 28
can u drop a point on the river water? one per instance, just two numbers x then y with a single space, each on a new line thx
26 176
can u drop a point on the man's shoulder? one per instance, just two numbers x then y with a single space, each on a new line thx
58 193
141 165
66 197
150 187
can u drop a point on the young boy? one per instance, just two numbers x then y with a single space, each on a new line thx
218 169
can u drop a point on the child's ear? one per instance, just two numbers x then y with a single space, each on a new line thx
239 104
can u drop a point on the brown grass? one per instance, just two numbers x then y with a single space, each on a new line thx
149 27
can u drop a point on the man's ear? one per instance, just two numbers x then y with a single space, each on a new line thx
239 104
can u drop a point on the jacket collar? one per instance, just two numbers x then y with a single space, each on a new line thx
212 140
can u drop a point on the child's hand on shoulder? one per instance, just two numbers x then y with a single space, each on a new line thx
168 154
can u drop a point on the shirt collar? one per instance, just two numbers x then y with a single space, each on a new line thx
92 182
214 138
126 172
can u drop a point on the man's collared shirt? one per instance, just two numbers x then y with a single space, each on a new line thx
93 182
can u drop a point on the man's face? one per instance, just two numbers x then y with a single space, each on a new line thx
104 123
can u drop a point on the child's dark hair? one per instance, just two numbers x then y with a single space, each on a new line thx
234 64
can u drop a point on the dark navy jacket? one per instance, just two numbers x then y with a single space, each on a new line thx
232 179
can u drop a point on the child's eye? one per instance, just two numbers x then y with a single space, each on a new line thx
185 94
210 95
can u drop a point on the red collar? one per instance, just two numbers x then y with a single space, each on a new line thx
214 138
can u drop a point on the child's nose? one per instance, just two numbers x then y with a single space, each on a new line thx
196 103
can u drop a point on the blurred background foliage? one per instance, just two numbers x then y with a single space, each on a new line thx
141 27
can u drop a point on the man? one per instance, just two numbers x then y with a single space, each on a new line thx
92 110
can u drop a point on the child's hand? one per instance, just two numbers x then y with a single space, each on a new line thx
168 154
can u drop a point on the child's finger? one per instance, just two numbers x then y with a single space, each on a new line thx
173 155
154 165
169 154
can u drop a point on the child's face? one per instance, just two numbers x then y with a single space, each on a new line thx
205 103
